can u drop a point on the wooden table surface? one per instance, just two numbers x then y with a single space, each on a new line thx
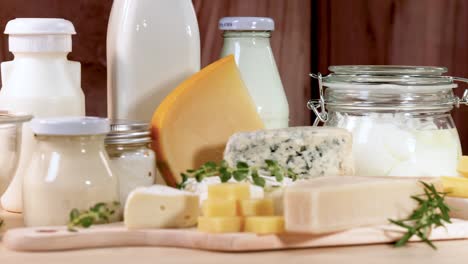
448 252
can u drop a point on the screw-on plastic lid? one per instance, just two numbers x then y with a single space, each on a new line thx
247 23
39 35
70 126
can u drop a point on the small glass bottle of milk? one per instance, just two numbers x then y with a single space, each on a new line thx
40 81
248 38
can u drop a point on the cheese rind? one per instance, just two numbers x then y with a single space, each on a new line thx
308 151
330 204
220 208
160 206
229 191
256 207
220 224
194 122
264 225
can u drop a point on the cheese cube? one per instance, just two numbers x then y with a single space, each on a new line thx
308 151
264 225
463 166
455 186
256 207
217 208
233 191
330 204
219 224
160 206
277 195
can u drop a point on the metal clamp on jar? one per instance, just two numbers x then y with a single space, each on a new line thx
399 117
132 159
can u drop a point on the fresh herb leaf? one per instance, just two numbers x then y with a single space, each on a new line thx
98 214
241 172
432 212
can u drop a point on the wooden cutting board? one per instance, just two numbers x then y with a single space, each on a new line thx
115 235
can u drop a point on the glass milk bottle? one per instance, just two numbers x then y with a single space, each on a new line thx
248 38
69 169
40 81
152 46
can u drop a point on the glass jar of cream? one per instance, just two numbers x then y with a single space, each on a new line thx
399 117
69 169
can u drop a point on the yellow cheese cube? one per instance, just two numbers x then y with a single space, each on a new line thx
463 166
219 224
233 191
217 208
455 186
257 207
264 225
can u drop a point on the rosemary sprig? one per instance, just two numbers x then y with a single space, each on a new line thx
241 172
100 213
432 212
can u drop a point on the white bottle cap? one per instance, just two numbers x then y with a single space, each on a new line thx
247 23
40 35
70 126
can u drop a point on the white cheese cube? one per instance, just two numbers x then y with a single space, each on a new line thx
160 206
330 204
308 151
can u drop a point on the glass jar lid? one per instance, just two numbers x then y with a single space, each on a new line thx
128 132
386 88
389 75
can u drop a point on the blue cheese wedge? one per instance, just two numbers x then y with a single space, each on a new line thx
308 151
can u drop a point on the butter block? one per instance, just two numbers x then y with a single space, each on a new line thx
455 186
219 224
232 191
264 225
219 208
256 207
330 204
160 206
462 167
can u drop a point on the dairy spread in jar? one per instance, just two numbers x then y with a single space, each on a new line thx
69 169
399 117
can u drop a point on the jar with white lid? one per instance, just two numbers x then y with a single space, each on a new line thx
69 169
248 39
132 159
399 117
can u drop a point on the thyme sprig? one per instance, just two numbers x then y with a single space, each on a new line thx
100 213
432 212
241 172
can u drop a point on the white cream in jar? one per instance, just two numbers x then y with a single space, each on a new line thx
399 117
69 169
132 159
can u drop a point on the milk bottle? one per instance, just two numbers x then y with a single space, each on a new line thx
248 38
41 81
152 46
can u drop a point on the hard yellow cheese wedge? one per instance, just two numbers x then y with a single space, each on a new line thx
264 225
194 122
455 186
219 224
257 207
463 166
229 191
219 208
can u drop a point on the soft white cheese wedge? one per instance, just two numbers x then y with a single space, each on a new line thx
330 204
160 206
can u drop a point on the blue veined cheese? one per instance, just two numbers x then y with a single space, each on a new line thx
308 151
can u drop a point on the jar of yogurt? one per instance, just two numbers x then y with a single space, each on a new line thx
248 38
69 169
132 159
399 117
